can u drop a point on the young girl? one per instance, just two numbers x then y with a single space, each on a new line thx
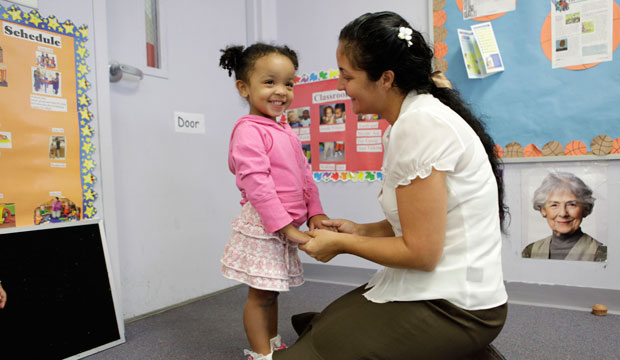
278 193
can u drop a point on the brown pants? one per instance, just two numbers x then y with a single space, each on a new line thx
354 328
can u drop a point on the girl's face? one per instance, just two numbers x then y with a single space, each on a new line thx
270 88
364 93
329 112
563 211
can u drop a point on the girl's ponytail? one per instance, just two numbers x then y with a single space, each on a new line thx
231 58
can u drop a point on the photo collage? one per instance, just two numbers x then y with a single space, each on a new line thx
38 83
334 138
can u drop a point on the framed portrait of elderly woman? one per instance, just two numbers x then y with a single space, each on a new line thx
564 213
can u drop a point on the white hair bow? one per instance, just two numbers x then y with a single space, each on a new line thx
405 34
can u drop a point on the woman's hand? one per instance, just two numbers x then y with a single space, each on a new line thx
293 234
324 245
317 222
342 225
440 80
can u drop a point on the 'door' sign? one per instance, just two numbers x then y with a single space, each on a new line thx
189 123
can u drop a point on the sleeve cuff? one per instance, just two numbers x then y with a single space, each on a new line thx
272 213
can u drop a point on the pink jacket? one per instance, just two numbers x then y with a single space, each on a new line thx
272 172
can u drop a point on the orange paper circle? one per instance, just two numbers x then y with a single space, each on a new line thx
459 4
545 38
575 147
441 50
439 17
615 149
499 152
531 150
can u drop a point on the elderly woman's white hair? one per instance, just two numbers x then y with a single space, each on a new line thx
568 181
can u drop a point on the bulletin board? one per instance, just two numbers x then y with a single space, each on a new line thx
54 264
47 169
530 109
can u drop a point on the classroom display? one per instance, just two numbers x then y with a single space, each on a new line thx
339 144
531 108
46 149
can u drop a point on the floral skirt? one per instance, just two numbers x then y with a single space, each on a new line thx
260 259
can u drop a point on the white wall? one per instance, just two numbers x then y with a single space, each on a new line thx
175 195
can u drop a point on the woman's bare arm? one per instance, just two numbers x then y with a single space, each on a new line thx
422 208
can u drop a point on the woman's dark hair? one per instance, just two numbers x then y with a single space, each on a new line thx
372 44
235 59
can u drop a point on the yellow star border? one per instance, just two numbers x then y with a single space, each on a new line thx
85 117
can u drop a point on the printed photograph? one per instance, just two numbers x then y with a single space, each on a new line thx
564 211
57 209
331 151
368 117
58 147
333 114
7 215
307 151
587 27
299 117
46 82
573 18
46 60
3 73
327 114
5 140
561 45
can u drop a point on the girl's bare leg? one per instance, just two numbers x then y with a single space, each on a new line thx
258 316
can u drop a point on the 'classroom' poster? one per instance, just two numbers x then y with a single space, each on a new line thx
339 144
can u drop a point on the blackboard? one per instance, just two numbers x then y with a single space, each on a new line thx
59 296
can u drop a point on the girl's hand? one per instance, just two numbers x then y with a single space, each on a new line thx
342 225
316 222
293 234
324 245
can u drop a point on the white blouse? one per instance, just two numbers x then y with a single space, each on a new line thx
426 135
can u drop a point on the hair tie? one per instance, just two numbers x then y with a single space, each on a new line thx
404 33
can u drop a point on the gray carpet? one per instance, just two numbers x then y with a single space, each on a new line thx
212 329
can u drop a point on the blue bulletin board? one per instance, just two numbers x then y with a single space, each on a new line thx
531 109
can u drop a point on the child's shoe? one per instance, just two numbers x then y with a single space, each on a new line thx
254 356
276 344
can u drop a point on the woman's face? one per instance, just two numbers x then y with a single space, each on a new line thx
363 92
563 211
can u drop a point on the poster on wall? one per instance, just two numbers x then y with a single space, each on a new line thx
581 32
339 144
46 164
565 213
